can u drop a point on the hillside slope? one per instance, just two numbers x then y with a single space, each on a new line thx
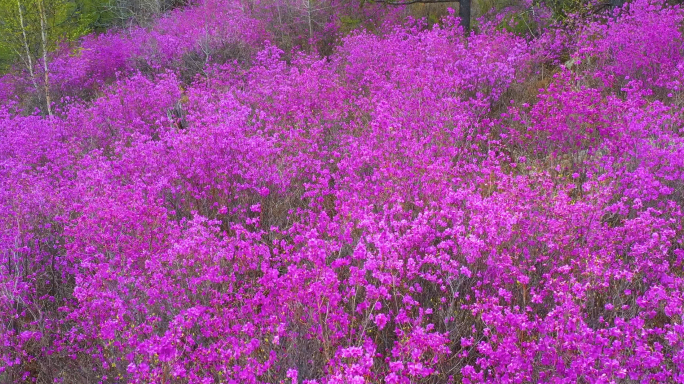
417 207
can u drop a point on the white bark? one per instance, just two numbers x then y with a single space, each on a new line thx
43 38
29 59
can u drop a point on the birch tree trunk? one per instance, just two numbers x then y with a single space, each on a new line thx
44 43
29 58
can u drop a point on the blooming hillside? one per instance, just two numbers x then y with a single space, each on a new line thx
419 206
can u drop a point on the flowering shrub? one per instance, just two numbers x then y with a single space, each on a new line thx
385 214
644 43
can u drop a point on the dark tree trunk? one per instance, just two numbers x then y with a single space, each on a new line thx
464 14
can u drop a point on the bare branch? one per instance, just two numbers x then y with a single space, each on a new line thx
409 2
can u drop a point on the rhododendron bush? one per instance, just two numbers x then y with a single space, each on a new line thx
420 206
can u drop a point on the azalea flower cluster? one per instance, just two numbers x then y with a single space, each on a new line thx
420 206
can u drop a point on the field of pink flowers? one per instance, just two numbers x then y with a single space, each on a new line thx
418 206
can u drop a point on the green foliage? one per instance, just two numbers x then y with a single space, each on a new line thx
90 16
481 7
349 23
562 8
6 57
67 21
520 23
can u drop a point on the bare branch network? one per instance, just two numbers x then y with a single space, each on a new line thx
415 2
